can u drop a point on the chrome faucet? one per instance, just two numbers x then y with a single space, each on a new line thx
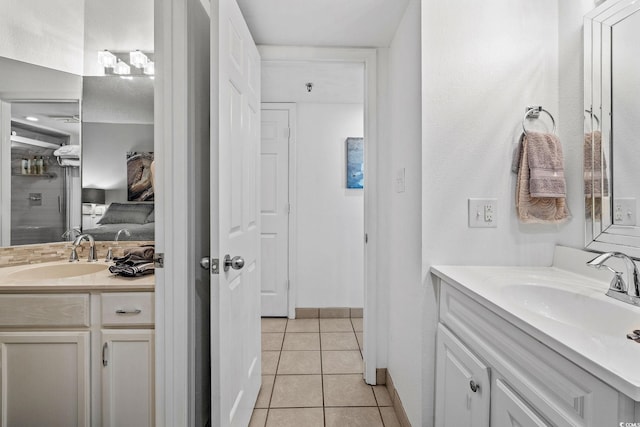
92 248
618 289
109 256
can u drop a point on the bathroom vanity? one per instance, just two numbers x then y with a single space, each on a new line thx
77 346
534 347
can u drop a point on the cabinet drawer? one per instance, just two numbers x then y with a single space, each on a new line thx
42 310
127 308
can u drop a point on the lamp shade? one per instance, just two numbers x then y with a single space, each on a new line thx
93 195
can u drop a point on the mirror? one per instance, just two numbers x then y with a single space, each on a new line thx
39 62
612 104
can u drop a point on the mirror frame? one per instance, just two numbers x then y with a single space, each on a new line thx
600 233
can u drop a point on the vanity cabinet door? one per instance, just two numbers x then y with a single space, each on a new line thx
44 379
509 410
462 384
127 378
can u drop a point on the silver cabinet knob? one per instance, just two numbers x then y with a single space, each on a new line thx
237 262
474 386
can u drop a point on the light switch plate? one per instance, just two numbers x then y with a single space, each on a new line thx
483 213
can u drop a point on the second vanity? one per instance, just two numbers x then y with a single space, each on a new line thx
534 346
77 346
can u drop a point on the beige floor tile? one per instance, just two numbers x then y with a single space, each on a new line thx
296 417
352 417
360 338
347 390
273 324
303 325
341 362
297 391
301 341
270 362
265 391
339 341
389 417
272 341
357 312
258 418
299 363
382 395
335 325
357 324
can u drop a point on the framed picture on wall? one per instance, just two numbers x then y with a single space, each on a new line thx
139 179
355 162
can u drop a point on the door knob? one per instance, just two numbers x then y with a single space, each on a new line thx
205 263
237 262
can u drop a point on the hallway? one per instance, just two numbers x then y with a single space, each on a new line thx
312 376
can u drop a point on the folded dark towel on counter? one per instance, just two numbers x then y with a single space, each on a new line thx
133 270
144 252
135 262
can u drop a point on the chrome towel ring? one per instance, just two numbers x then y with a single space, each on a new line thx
534 113
590 113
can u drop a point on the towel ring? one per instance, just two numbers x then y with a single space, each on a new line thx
592 114
534 112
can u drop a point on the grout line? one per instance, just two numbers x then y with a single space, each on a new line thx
324 414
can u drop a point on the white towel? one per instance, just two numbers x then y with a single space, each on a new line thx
69 162
68 151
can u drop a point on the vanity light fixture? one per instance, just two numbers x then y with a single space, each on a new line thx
138 59
150 68
107 59
122 68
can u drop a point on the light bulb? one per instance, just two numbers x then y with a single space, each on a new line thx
107 59
138 59
122 68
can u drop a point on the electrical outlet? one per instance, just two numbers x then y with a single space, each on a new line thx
483 213
624 211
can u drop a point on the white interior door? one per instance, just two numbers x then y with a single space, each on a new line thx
235 220
274 210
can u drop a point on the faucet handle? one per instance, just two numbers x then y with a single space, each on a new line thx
74 255
618 284
109 256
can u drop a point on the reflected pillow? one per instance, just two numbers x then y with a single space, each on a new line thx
126 213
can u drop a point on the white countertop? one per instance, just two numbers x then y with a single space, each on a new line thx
102 280
565 311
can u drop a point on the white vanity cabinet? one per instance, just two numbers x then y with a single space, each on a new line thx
127 359
519 381
53 369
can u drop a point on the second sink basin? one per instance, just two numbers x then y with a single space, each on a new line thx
55 271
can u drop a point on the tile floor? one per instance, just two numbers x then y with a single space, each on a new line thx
312 376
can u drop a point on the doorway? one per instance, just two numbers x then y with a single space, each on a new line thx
366 59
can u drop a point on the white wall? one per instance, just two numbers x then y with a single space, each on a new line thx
400 246
48 33
480 69
330 217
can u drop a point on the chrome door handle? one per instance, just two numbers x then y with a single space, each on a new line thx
474 386
129 311
205 263
237 262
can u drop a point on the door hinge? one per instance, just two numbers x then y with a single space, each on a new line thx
289 208
158 260
366 238
215 266
288 284
287 133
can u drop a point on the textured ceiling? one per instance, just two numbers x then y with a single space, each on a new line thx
354 23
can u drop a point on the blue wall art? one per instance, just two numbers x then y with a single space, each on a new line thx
355 162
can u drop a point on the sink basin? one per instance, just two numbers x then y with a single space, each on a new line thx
591 310
55 271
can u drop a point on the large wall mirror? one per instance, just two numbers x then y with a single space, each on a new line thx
612 109
77 137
